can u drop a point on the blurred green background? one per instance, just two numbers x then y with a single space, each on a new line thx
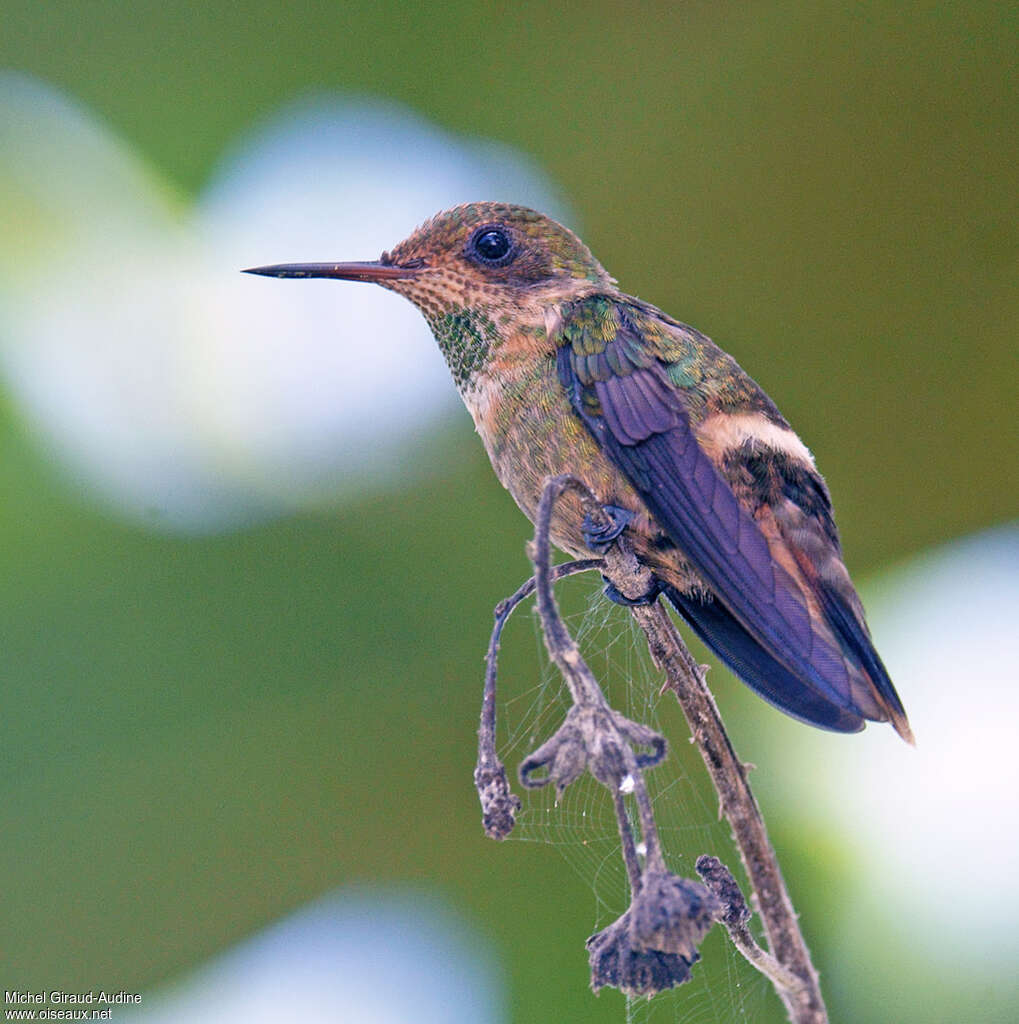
200 734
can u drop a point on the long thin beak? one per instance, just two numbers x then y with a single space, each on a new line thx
373 271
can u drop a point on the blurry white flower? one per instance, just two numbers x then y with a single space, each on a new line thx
934 832
372 958
187 394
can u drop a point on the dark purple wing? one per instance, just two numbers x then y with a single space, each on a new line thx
638 417
717 627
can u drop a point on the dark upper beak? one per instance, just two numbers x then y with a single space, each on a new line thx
373 271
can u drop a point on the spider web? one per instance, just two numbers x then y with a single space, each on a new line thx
582 825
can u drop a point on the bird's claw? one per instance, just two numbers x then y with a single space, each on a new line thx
599 537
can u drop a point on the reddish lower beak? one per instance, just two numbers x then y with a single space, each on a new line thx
373 271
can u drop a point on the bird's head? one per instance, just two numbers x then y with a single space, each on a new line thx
480 256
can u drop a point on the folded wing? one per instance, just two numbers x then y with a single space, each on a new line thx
783 617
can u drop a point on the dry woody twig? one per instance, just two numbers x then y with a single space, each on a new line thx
653 945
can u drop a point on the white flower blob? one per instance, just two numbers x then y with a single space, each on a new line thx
374 958
192 396
934 831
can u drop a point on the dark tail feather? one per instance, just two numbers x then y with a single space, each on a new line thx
713 623
855 640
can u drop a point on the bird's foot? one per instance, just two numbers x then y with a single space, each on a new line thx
613 593
599 537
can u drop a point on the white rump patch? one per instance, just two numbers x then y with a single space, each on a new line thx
722 432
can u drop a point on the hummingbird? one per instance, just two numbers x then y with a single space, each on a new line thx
562 372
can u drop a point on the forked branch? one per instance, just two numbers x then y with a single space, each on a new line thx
653 945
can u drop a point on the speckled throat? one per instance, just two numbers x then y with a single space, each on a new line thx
467 338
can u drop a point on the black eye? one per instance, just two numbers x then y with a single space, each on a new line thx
492 246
